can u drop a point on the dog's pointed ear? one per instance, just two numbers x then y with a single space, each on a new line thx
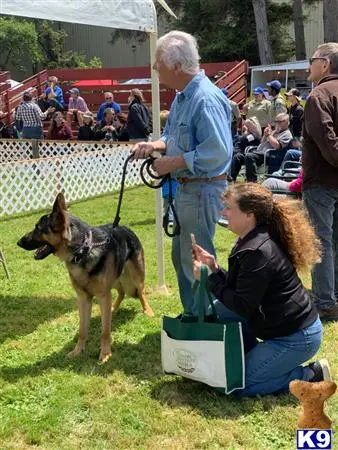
59 215
59 204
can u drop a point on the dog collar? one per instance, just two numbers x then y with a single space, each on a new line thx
84 249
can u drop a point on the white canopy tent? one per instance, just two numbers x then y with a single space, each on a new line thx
126 14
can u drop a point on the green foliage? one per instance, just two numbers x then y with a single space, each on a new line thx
39 42
225 29
50 402
18 40
279 17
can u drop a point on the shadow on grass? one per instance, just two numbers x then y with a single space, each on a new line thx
131 358
150 221
179 392
22 315
143 362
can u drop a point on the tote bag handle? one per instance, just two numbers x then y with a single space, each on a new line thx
202 292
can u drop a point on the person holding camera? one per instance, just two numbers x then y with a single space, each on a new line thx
262 289
109 128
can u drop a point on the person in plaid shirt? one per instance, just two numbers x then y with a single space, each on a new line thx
31 117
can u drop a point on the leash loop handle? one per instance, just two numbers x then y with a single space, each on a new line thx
147 167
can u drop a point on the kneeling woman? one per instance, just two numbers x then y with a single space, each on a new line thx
262 288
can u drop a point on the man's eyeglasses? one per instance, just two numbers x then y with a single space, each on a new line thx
109 98
319 58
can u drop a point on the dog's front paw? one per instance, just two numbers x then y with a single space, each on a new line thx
105 354
76 352
149 312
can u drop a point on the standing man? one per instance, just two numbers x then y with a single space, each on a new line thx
29 116
198 149
258 107
278 104
320 165
295 112
109 103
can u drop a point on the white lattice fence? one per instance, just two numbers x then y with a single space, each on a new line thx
15 150
33 184
18 150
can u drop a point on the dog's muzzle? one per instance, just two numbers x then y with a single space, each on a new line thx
43 249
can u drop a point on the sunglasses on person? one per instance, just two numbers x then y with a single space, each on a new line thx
108 98
311 60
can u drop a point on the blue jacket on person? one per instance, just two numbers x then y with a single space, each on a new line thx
58 94
105 105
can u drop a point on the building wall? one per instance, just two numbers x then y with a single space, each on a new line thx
94 41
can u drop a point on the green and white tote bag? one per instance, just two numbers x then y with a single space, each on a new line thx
211 352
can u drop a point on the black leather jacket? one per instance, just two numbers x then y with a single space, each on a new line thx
138 120
262 286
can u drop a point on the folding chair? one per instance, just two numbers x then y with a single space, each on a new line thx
263 169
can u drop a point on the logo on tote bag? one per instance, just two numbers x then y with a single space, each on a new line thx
185 360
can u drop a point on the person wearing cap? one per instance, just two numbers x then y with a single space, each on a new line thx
52 96
76 107
295 112
236 114
86 131
109 103
29 116
278 104
258 107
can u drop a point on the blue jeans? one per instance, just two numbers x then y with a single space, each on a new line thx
272 364
292 155
322 204
32 133
198 207
165 207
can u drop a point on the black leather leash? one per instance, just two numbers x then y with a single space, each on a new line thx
146 168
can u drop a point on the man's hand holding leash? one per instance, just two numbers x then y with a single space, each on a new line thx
162 165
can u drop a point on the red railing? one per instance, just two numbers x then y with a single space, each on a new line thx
94 94
10 98
4 76
235 81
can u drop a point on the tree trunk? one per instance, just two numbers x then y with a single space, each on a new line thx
298 22
330 19
262 30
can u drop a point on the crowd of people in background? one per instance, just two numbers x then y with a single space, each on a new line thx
107 124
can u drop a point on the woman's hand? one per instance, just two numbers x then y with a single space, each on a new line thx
200 257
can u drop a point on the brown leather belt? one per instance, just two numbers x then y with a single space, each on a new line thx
184 180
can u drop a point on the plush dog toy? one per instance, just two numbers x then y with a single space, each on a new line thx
312 397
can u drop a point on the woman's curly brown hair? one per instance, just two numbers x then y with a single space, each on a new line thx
288 223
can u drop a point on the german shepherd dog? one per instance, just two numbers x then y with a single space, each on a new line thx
98 259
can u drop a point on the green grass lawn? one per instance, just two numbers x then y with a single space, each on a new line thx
50 402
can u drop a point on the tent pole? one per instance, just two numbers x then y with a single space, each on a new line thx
155 95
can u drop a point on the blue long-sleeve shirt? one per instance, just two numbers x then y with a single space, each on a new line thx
198 127
115 106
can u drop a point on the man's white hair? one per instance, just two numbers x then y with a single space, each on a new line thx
179 47
283 116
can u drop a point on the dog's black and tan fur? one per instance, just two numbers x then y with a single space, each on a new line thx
98 259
